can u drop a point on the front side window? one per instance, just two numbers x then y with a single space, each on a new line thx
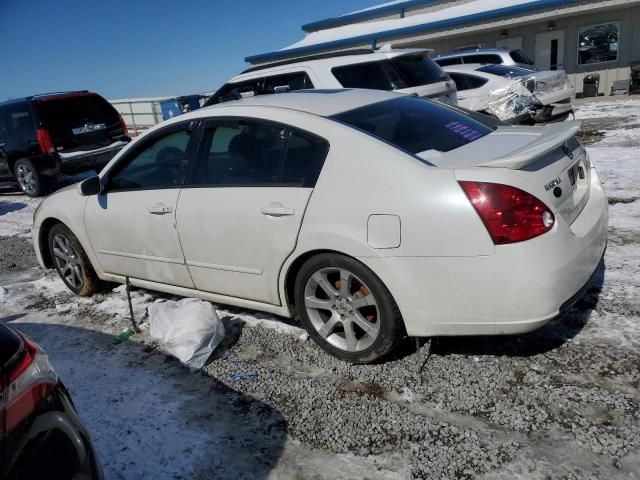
380 75
251 153
418 70
598 43
160 164
483 58
416 125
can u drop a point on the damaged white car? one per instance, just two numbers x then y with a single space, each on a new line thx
513 94
366 215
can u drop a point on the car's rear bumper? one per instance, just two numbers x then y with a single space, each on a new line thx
96 159
518 289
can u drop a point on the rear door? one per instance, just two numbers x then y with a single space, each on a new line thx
132 224
240 217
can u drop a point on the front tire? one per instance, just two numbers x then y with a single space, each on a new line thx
28 178
71 262
346 309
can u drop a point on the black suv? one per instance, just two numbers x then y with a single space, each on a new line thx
43 136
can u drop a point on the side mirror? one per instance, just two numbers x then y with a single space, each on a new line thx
90 186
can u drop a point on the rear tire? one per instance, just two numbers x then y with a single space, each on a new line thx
346 309
28 178
71 262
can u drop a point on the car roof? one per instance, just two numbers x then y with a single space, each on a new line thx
474 50
47 96
328 62
320 102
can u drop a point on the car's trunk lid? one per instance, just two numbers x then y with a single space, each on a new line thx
80 121
550 159
552 86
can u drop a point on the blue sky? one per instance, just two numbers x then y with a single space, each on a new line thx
136 48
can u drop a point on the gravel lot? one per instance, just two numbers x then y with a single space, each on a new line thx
562 402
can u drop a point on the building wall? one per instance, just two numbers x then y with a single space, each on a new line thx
628 47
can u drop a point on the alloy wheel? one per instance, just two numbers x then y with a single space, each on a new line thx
67 261
26 178
342 309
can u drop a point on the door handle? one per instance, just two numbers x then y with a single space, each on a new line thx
159 209
277 211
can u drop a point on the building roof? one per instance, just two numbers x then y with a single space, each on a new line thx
389 8
346 36
318 102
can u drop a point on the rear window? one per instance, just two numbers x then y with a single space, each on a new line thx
380 75
418 70
416 125
519 56
69 112
505 71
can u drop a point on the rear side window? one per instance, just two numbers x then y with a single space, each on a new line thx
304 159
467 82
286 83
250 153
505 71
19 123
380 75
443 62
418 70
519 56
482 58
416 125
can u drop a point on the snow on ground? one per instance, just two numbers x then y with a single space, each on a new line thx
558 403
16 214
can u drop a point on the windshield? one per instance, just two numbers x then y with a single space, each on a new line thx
519 56
419 70
416 125
506 71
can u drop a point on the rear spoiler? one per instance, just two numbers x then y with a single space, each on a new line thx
552 137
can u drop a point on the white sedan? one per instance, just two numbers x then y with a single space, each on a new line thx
513 94
367 215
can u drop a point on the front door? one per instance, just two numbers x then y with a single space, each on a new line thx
550 50
239 219
132 225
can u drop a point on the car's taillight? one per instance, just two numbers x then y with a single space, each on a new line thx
125 129
28 382
509 214
44 139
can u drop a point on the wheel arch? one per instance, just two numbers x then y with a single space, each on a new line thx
43 239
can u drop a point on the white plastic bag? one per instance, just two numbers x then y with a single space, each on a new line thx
190 329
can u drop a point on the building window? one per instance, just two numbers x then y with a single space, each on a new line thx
598 43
